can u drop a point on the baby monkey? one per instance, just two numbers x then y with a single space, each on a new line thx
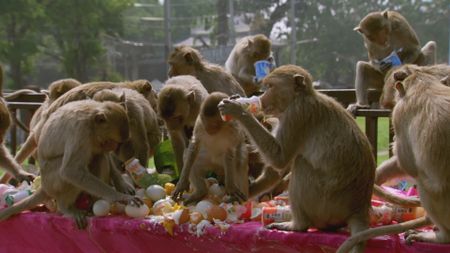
217 146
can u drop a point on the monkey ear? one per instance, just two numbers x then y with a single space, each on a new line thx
385 13
446 80
250 43
400 88
100 117
400 75
299 81
191 97
358 29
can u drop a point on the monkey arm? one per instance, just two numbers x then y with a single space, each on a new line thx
179 144
230 168
75 171
191 156
7 162
389 169
244 75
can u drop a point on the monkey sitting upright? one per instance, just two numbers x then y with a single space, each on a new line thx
384 33
216 146
240 62
328 187
6 160
73 156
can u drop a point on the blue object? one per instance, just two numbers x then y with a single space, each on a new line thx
262 68
393 59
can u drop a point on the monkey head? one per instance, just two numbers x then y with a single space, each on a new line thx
259 47
210 115
283 85
184 60
375 27
174 106
108 95
110 126
142 86
59 87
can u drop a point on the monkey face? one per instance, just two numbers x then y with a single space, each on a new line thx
379 37
111 126
277 97
174 122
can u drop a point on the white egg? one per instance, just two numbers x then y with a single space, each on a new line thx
203 207
216 190
137 212
101 207
155 192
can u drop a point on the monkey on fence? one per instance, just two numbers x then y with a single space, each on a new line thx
241 61
386 33
73 156
217 146
179 105
421 118
6 160
328 188
185 60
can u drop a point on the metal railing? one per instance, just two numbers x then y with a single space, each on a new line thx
30 102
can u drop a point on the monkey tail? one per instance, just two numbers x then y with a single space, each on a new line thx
19 93
27 149
394 199
384 230
31 201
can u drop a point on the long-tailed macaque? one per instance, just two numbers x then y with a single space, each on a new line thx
81 92
420 118
387 99
328 188
6 160
186 60
217 146
240 62
386 32
145 134
73 157
179 104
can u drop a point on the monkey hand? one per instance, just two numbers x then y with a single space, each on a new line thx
385 66
182 186
125 187
231 108
24 176
235 193
353 108
130 200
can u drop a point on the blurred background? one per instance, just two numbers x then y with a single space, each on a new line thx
45 40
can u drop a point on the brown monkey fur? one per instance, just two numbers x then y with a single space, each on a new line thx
384 32
185 60
179 104
144 128
6 160
387 99
240 62
328 188
72 154
218 146
81 92
423 103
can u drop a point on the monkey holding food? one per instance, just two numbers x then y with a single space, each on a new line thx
73 157
217 146
390 41
328 188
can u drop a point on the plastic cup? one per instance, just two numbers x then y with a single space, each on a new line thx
262 69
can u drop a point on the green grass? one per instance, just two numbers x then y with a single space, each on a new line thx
383 137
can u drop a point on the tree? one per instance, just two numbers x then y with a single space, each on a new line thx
77 26
20 21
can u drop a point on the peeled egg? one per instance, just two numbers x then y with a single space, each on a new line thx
155 192
216 190
137 212
101 207
163 206
196 217
203 207
217 212
181 216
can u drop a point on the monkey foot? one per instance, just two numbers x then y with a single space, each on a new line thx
353 108
416 236
125 188
286 226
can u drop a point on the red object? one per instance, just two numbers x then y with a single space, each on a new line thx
84 202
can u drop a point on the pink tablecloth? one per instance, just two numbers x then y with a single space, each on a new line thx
44 232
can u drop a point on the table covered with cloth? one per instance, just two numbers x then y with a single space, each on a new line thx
48 232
